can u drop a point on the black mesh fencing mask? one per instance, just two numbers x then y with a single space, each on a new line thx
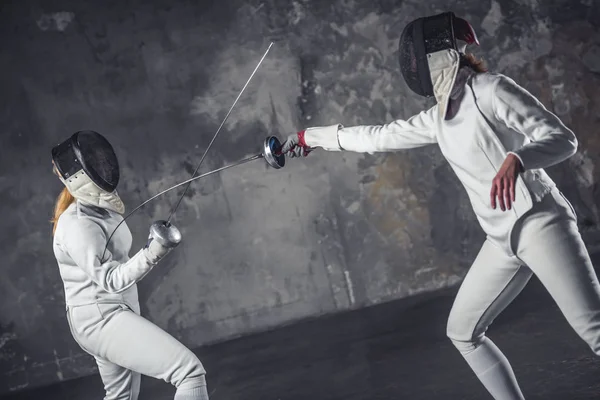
91 152
428 35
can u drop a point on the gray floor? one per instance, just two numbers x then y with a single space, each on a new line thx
391 351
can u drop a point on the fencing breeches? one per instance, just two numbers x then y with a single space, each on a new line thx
126 345
546 242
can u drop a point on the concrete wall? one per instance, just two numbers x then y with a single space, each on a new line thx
262 247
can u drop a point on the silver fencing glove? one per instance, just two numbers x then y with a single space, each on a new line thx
163 238
295 146
302 143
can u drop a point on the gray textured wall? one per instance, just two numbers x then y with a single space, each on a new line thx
261 247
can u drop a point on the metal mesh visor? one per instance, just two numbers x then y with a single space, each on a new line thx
65 160
97 158
413 59
438 32
420 38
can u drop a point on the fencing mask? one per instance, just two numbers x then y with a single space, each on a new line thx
87 165
430 49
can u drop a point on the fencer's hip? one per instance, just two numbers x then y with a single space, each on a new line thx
547 210
86 320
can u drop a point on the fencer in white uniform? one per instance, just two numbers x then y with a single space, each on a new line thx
498 139
100 286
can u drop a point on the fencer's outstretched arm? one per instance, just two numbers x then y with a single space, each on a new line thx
417 131
84 241
551 142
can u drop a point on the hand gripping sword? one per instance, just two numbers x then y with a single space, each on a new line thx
270 153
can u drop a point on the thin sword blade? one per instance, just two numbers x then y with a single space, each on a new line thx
216 133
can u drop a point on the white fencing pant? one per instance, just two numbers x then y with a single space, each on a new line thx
126 345
546 242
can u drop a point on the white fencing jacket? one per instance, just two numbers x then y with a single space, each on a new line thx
495 117
79 241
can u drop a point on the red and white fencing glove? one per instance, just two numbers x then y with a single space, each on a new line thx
295 146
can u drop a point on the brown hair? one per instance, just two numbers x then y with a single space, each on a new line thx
470 60
63 201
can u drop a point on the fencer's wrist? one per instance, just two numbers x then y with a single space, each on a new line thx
518 160
325 137
155 251
302 139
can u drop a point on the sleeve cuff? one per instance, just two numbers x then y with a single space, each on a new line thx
325 137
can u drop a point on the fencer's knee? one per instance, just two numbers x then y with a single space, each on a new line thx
587 326
193 373
464 338
467 346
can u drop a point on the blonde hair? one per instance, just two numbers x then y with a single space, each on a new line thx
63 201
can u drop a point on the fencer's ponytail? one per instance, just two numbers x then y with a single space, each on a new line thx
63 201
473 62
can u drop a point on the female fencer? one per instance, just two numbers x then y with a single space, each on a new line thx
100 287
498 139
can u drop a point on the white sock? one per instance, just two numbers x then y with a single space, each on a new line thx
197 393
494 371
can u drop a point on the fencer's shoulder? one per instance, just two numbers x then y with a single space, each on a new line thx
487 80
67 217
85 210
65 223
493 81
490 86
75 220
428 114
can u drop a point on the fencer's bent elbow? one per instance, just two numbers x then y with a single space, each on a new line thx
568 143
574 144
112 286
114 283
120 277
